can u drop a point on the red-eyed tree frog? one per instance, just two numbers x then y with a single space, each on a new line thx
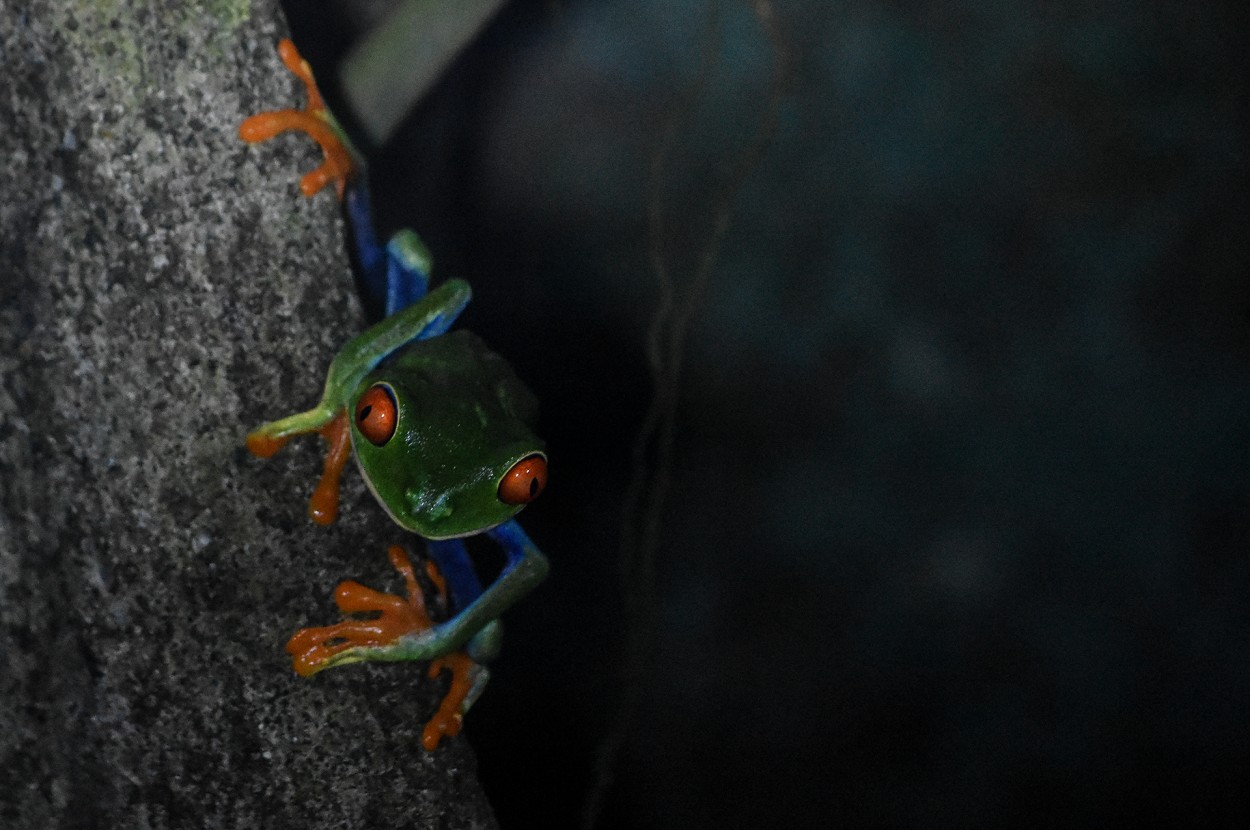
442 431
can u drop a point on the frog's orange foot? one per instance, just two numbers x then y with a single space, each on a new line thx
313 649
323 505
450 715
314 120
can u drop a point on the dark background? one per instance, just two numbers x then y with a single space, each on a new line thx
958 524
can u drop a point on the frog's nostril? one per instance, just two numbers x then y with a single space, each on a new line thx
434 509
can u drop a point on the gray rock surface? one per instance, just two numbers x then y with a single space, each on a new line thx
163 289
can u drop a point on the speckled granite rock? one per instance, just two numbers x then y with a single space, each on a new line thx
163 288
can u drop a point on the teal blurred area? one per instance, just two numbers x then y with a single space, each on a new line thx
958 531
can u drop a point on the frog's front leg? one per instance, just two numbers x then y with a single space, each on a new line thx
525 568
404 632
314 649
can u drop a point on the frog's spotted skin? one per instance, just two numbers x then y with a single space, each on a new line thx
442 431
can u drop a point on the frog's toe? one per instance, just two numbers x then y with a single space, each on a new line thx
314 120
376 638
315 649
467 681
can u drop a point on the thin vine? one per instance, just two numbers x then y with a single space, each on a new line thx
652 452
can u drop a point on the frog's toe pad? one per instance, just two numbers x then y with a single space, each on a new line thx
314 649
450 715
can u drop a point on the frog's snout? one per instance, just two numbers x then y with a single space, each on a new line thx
434 510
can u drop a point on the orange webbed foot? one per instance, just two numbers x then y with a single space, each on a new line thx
323 504
314 120
314 649
450 715
311 649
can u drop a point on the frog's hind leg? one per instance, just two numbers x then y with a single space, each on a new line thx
469 675
407 270
394 276
456 569
340 166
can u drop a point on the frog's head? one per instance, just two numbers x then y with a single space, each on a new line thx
442 437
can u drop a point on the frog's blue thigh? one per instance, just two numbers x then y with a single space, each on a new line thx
393 276
369 254
407 270
457 568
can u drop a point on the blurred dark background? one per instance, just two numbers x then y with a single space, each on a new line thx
958 524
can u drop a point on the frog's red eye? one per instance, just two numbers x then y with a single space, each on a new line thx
524 481
377 414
